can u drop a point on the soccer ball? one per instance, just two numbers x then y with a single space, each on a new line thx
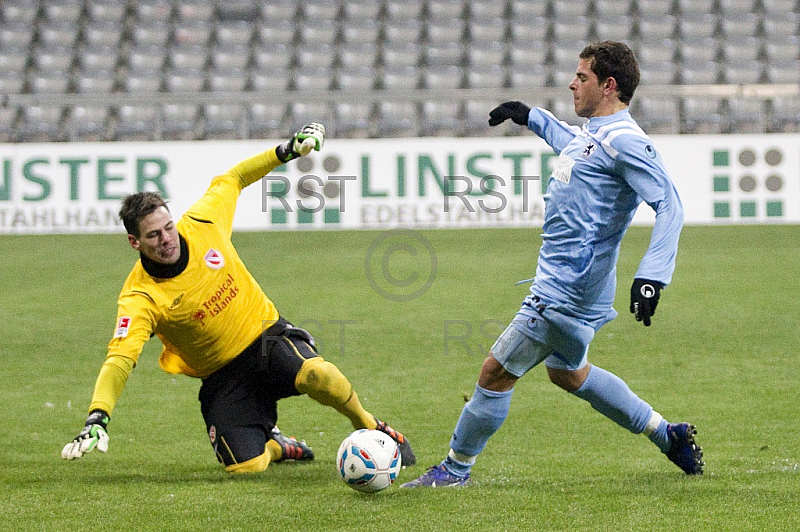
368 460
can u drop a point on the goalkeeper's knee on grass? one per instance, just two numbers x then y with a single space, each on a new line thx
323 382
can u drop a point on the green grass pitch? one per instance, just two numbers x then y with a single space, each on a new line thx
722 353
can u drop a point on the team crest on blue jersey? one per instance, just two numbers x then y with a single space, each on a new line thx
588 150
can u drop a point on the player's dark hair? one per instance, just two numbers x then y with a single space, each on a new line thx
136 206
612 59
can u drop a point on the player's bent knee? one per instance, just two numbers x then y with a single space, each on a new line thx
323 382
254 465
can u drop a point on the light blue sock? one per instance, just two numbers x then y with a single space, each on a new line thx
481 417
609 395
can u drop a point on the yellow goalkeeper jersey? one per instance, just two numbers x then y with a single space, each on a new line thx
205 315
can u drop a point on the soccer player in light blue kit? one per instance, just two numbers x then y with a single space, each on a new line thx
605 169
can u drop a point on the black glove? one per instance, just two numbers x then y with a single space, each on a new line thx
516 111
644 299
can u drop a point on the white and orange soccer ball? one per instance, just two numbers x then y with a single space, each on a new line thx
368 461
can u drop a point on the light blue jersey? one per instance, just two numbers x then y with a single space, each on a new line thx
605 169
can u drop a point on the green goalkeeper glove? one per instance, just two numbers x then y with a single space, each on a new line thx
310 137
93 435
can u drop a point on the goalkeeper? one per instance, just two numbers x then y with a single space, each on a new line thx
191 289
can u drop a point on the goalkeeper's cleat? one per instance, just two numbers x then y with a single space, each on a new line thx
684 451
291 449
406 453
437 477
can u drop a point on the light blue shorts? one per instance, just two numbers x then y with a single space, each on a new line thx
537 334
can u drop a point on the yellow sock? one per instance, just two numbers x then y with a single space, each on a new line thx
274 450
323 382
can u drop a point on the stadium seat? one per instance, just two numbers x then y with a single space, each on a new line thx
321 9
57 33
193 32
146 57
739 25
657 115
270 79
693 8
739 72
201 10
149 10
700 25
487 9
400 10
304 113
475 120
571 29
614 27
656 26
180 121
441 119
271 55
49 81
274 32
527 9
570 8
8 123
613 7
361 31
266 120
653 8
446 8
741 49
88 123
486 77
781 23
227 79
486 54
778 7
657 72
154 31
445 30
238 11
487 30
230 56
401 54
52 58
106 33
13 59
527 28
352 120
439 77
94 80
444 54
781 48
41 123
21 11
703 115
657 50
529 77
737 7
141 81
785 115
182 79
224 121
137 122
318 31
397 119
16 35
234 32
355 78
63 11
11 82
113 11
279 10
699 48
356 55
320 55
746 115
100 57
402 30
188 57
698 72
354 10
523 55
312 78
